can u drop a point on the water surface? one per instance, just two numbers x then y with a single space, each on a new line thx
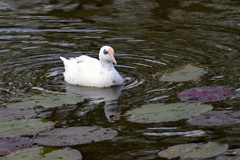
148 37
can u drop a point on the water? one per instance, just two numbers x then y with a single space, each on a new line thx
148 36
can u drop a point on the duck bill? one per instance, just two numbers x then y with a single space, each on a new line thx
112 59
111 55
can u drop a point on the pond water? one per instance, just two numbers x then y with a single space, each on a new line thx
148 36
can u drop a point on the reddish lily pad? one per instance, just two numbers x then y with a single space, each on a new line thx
37 153
206 94
194 151
74 136
12 144
216 118
8 114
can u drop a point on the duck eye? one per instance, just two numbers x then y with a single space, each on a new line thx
105 51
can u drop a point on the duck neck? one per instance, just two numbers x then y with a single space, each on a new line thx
107 65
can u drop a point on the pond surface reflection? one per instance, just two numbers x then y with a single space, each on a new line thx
148 37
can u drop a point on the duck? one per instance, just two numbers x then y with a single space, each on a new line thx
92 72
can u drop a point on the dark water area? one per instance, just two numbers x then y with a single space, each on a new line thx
148 36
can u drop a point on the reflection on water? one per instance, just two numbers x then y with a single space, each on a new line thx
97 95
148 37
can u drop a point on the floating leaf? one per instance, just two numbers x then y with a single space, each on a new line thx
8 114
194 151
37 153
233 154
46 101
216 118
156 113
23 127
74 136
185 73
12 144
206 94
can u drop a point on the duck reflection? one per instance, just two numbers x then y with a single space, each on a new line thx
98 95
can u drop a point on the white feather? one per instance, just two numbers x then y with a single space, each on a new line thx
88 71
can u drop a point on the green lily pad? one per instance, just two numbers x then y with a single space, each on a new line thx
157 113
233 154
23 127
194 151
37 153
46 101
216 118
74 136
184 73
8 114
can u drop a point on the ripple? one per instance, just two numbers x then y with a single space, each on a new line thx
131 82
194 133
20 76
28 30
12 37
137 69
45 71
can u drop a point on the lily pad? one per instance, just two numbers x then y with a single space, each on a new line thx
23 127
8 114
216 118
184 73
194 151
233 154
37 153
46 101
157 113
12 144
74 136
206 94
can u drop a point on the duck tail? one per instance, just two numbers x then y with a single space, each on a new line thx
63 59
69 64
65 62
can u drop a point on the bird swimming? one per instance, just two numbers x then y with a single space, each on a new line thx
91 72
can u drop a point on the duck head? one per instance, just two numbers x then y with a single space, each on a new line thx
106 55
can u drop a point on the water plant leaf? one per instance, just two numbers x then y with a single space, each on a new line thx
157 113
37 153
8 114
233 154
12 144
74 136
193 151
216 118
46 101
184 73
23 127
206 94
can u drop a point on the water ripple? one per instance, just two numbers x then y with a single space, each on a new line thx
163 36
25 30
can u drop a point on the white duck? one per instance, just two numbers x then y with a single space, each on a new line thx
88 71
